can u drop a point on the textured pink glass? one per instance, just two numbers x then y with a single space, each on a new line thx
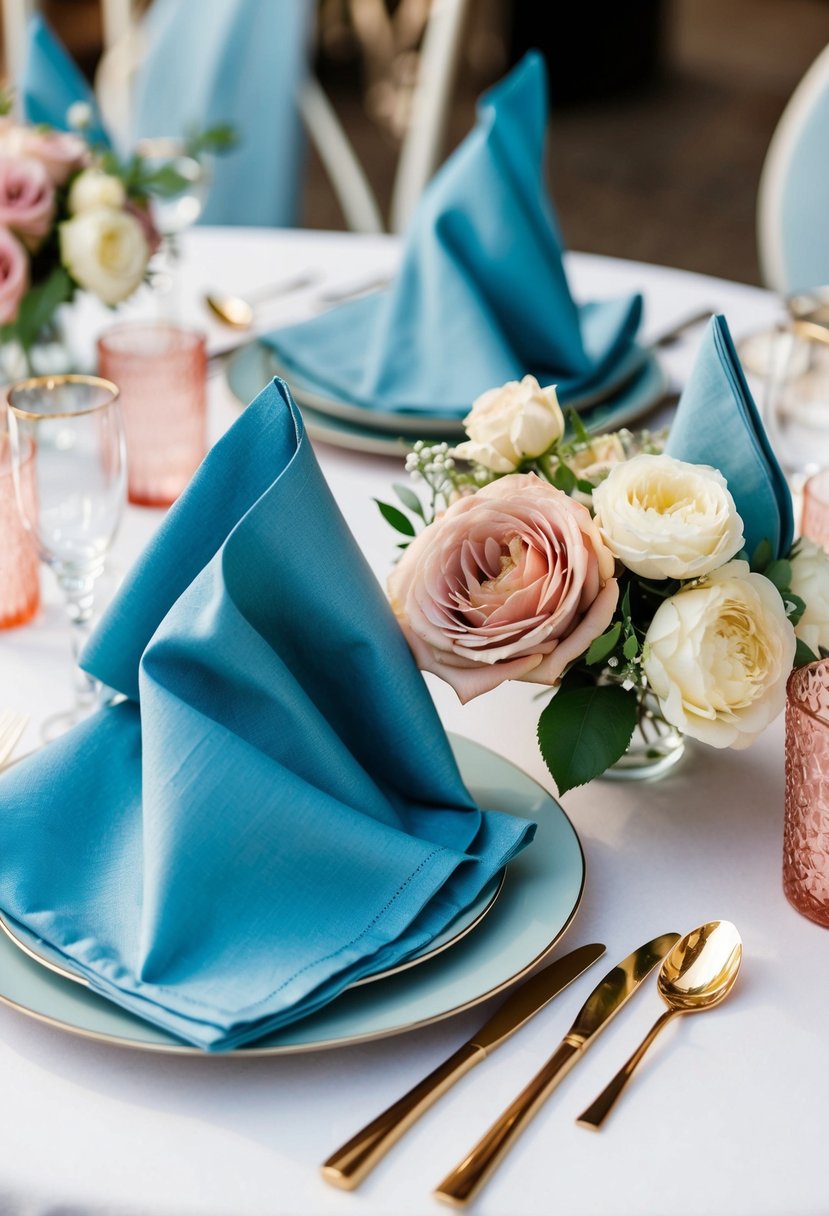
806 824
161 370
19 566
815 518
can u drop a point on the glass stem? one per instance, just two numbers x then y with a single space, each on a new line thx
80 598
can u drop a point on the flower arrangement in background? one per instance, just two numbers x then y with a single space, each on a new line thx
73 217
604 568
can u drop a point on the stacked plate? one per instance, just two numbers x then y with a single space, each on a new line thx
635 385
514 924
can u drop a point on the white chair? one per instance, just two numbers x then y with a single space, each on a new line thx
793 197
421 151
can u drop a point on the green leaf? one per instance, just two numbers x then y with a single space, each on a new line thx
586 487
564 479
580 431
39 304
803 654
631 647
779 573
585 730
408 498
604 645
794 605
399 521
761 556
625 605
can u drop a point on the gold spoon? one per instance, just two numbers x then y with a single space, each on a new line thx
238 312
698 973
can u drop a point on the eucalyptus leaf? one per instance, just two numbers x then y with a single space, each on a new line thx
585 730
408 498
395 517
631 647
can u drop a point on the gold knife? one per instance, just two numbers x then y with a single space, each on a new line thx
348 1166
606 999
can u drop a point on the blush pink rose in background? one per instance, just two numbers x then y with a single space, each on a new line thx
60 152
512 583
27 199
14 276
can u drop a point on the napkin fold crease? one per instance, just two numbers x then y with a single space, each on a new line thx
273 810
481 296
717 423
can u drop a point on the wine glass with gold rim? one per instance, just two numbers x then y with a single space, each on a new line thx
73 425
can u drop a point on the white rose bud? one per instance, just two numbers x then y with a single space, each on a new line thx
105 251
511 424
93 189
664 518
718 655
810 581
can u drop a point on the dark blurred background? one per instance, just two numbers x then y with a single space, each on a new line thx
661 110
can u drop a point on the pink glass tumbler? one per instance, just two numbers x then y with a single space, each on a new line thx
161 370
806 823
19 562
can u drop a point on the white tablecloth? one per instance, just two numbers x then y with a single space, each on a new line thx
726 1116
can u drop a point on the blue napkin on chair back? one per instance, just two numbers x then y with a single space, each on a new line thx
52 82
717 423
231 61
481 297
274 810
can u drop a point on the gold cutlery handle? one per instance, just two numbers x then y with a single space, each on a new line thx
459 1186
348 1166
598 1110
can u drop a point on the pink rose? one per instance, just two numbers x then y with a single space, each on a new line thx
512 583
60 152
27 199
14 276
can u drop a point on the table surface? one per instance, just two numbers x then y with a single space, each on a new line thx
725 1116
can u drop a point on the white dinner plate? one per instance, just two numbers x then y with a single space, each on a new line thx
252 367
540 895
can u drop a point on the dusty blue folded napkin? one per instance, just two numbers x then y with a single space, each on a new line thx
481 296
52 82
274 809
717 423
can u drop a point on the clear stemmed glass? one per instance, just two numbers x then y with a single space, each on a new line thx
73 425
178 201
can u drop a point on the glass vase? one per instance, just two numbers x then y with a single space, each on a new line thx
654 749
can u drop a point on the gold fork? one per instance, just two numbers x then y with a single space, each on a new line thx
12 726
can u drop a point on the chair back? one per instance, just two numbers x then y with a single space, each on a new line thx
793 197
248 63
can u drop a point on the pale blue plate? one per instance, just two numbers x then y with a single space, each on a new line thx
253 366
539 898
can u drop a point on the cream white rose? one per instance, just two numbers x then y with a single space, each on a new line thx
718 654
93 189
105 251
664 518
810 581
511 424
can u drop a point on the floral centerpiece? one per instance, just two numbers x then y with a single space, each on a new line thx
604 568
72 216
